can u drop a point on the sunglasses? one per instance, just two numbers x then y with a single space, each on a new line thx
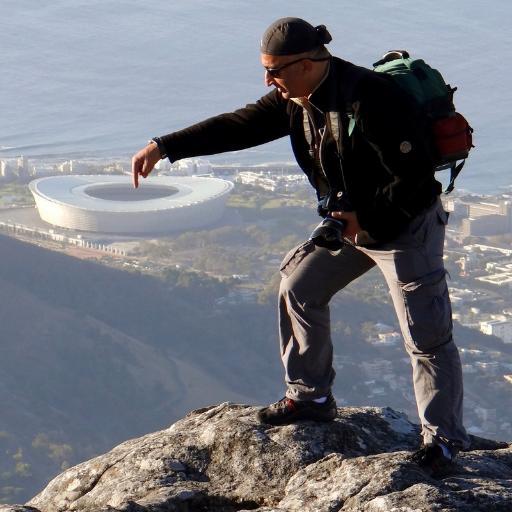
276 72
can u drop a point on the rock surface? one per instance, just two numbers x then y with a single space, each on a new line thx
222 459
17 508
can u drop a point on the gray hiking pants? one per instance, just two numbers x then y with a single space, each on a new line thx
412 265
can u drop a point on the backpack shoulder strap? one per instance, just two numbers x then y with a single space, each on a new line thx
347 104
454 172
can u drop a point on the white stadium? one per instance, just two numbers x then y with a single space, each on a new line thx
110 204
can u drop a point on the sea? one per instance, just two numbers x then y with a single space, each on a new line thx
98 78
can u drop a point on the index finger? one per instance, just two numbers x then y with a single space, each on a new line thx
136 166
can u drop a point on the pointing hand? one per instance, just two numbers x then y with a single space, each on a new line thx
144 161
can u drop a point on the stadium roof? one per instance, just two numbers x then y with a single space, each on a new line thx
105 193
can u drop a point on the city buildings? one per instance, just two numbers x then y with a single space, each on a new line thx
486 218
501 328
272 181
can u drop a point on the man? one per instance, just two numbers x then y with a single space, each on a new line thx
362 148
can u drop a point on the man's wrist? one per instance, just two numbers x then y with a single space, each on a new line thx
160 146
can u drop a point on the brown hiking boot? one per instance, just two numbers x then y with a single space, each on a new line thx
288 411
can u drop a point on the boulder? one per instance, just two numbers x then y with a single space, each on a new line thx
222 459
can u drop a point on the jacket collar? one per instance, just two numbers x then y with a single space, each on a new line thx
326 96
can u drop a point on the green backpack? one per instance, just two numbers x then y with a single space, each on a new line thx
451 135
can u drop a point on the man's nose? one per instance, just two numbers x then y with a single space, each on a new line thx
268 79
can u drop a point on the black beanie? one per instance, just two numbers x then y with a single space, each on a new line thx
289 36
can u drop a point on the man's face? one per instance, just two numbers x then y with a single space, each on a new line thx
288 74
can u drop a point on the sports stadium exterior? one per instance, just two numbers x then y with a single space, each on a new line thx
110 204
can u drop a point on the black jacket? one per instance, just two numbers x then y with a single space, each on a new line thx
384 167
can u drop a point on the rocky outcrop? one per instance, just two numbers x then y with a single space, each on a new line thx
222 459
17 508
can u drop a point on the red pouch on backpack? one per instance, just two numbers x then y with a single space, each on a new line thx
452 138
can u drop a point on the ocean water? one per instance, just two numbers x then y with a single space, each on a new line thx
100 77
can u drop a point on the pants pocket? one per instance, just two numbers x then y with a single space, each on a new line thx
292 260
428 310
431 223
